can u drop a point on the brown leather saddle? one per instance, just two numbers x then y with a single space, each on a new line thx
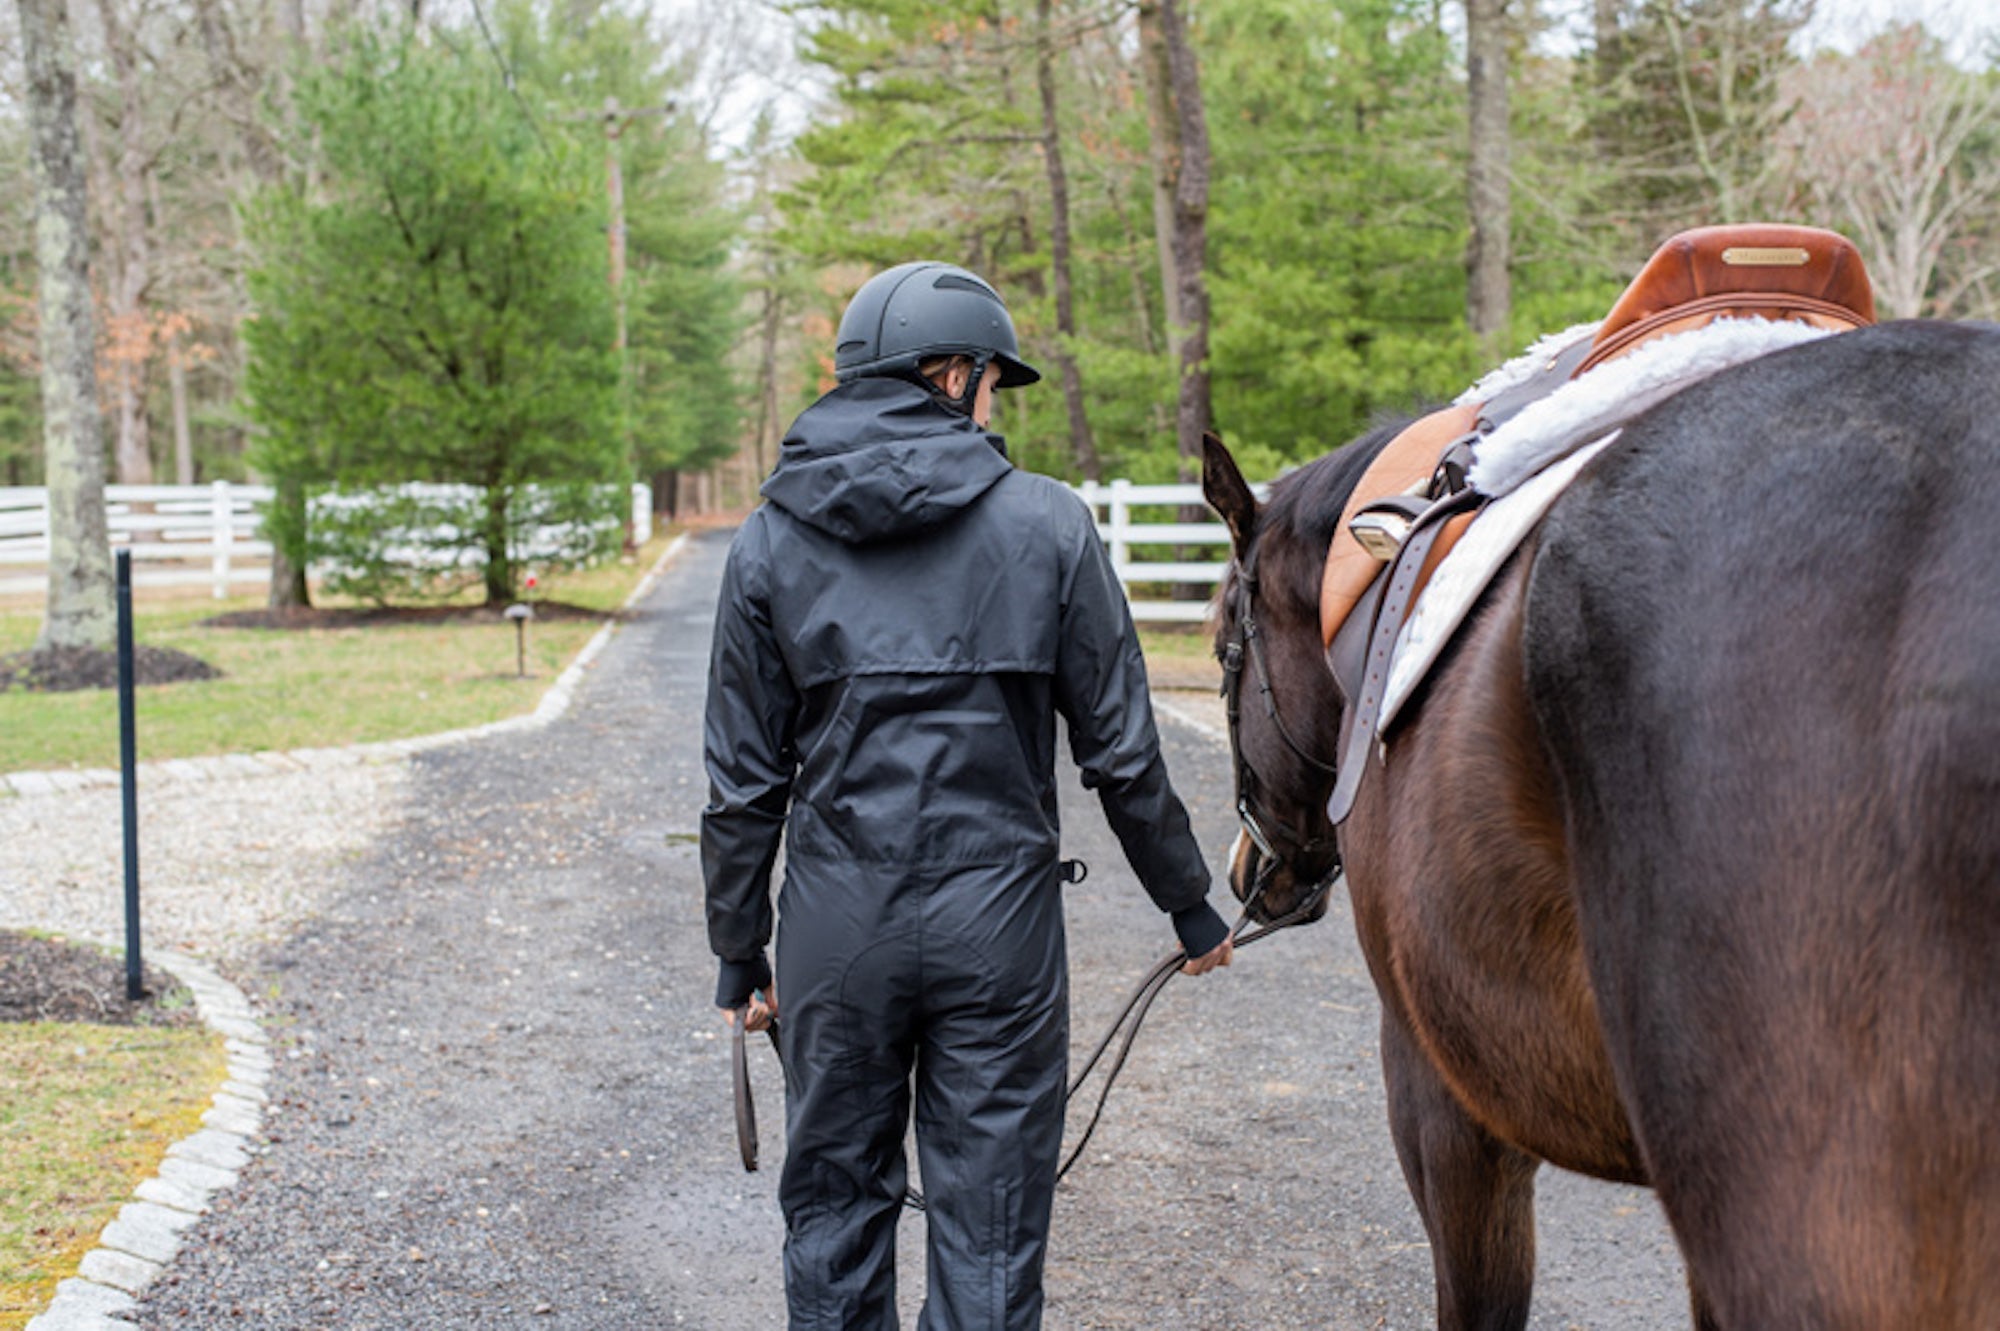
1413 503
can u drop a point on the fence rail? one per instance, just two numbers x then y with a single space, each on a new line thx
187 535
179 535
1149 542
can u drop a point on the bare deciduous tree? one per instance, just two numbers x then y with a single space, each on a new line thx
132 219
1897 145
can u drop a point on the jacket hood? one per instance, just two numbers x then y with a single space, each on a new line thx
879 458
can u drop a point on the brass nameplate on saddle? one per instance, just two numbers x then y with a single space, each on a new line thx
1766 256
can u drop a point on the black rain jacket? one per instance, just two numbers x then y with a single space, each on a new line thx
898 628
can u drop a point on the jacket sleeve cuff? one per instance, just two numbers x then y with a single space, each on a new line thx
1199 928
739 978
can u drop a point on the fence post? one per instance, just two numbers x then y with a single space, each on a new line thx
642 512
222 516
1120 523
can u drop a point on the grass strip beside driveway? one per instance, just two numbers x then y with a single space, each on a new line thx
86 1113
307 688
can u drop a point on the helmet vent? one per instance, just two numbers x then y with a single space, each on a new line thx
954 282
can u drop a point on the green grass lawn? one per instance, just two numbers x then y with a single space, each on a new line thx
286 689
1183 643
86 1114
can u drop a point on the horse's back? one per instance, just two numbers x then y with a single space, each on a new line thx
1763 648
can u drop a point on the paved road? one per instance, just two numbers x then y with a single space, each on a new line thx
505 1097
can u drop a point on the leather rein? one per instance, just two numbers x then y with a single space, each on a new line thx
1130 1018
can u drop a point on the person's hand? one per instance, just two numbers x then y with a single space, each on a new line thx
1221 955
758 1013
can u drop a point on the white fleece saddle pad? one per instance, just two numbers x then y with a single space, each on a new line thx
1527 463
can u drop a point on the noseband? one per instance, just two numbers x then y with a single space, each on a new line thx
1247 645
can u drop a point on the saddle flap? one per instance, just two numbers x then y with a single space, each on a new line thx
1770 270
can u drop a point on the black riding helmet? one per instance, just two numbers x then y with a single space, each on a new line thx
915 311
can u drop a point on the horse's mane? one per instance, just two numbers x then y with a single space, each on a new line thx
1302 512
1305 504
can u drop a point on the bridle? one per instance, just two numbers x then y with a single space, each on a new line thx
1246 645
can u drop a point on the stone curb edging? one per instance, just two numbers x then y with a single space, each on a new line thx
229 766
137 1245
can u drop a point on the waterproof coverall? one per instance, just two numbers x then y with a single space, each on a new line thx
898 629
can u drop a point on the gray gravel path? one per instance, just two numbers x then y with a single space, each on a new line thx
501 1097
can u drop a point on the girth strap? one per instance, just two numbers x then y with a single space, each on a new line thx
1403 579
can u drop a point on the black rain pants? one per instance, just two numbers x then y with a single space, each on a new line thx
954 980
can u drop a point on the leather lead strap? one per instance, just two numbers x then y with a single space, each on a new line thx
746 1108
739 1071
1403 576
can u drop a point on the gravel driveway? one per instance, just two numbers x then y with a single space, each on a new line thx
503 1099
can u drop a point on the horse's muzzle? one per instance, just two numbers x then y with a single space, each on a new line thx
1268 887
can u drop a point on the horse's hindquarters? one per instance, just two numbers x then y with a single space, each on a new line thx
1769 679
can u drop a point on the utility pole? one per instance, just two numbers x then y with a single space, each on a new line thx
614 119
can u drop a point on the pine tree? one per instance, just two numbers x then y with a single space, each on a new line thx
437 311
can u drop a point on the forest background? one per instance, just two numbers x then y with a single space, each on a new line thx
1285 218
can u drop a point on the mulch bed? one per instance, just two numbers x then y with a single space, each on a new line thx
52 979
377 616
71 669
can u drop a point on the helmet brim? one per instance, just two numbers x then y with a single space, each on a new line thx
1015 373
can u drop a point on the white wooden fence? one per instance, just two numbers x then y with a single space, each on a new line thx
187 535
1148 550
179 535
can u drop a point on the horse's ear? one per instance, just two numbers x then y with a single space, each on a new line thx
1222 484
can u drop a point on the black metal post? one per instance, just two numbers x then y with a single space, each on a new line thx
128 761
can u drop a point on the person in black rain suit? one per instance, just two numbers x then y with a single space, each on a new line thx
899 628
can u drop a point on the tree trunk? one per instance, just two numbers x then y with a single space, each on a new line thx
177 391
1083 447
1163 139
1607 64
493 534
769 428
288 587
81 609
132 277
1192 415
1488 295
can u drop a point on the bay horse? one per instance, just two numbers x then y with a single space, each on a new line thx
1683 868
